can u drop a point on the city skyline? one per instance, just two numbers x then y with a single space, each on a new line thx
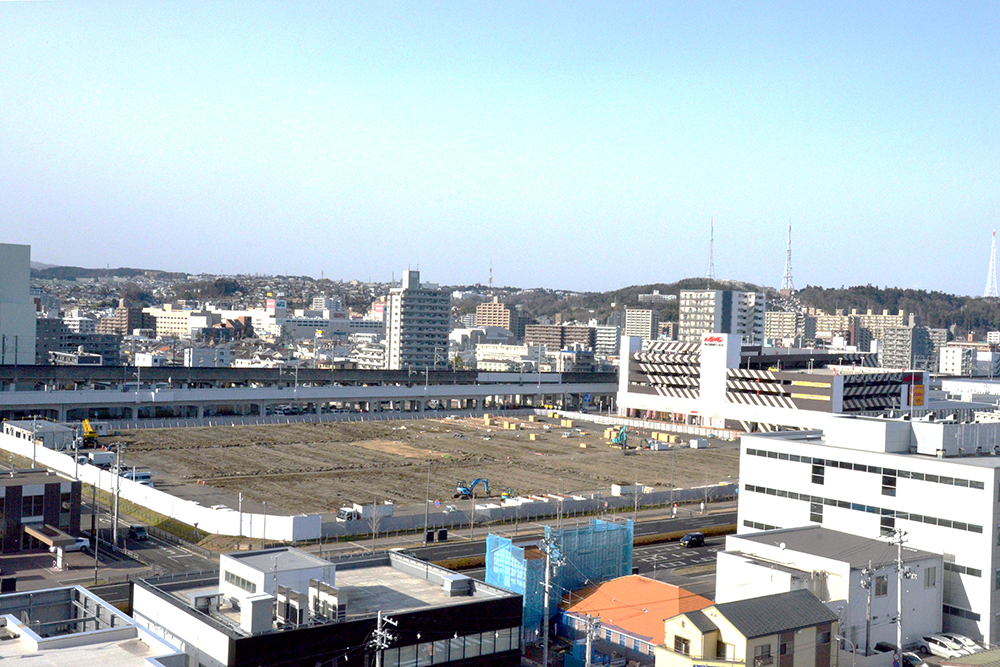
579 147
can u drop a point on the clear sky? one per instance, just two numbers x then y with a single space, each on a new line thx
575 145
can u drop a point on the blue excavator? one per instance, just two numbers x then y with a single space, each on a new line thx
463 492
621 440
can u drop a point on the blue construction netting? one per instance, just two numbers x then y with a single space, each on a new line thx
598 552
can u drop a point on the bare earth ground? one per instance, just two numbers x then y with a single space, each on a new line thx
308 468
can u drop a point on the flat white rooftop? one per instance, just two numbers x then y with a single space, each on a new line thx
127 653
281 559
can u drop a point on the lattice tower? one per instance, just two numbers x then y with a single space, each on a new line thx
710 274
991 278
787 284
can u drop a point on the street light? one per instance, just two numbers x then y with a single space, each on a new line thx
854 655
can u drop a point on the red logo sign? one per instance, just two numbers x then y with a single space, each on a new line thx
712 339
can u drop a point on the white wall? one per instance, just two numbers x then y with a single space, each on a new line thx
204 644
219 521
738 577
858 489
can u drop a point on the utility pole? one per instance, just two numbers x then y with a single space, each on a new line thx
94 526
427 502
866 583
118 480
897 537
593 632
381 638
553 556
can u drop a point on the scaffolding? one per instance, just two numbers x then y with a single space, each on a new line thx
597 552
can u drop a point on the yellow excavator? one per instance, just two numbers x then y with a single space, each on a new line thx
89 434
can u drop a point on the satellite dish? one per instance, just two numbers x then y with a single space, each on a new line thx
782 546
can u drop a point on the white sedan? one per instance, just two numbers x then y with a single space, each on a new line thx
81 544
964 642
942 647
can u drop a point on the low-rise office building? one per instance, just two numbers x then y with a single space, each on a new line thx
264 606
935 480
38 509
838 568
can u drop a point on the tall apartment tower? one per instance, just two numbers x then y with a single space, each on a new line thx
495 314
721 311
418 320
126 320
642 322
17 310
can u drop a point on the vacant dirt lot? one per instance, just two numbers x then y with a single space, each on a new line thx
318 467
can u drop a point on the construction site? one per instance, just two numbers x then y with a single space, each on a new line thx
320 467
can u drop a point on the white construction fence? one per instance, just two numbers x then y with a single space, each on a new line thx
222 521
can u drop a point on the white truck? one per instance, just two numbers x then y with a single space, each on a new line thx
358 512
102 459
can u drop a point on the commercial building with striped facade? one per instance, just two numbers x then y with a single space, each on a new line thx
719 383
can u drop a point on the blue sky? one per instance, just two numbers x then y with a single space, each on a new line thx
575 145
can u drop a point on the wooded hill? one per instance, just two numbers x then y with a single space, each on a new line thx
935 309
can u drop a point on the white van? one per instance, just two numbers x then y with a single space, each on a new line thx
138 475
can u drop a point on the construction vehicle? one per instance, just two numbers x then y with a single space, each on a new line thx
356 512
621 440
507 494
89 434
464 492
102 459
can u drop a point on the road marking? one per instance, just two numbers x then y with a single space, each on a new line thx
180 556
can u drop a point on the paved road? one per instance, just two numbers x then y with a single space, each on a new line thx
162 557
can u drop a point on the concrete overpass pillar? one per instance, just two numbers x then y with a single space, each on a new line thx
201 411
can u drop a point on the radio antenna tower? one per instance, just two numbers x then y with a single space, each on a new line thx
787 285
710 276
991 279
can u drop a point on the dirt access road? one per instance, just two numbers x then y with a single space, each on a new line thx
309 468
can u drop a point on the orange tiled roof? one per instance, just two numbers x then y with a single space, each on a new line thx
636 604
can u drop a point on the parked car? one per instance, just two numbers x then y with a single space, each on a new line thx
692 540
886 647
138 533
913 660
964 641
942 647
81 544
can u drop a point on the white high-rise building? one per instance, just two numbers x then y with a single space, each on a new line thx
721 311
418 322
17 311
935 480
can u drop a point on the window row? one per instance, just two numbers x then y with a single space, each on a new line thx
759 526
858 507
877 470
455 648
962 569
236 580
958 611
